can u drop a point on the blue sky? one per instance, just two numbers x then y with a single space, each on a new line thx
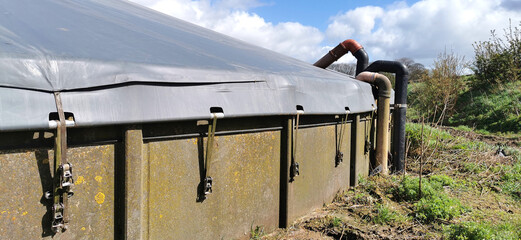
306 30
313 13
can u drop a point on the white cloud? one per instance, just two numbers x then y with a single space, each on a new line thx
424 29
419 31
231 17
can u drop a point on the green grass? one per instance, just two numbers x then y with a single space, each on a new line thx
498 110
479 231
408 189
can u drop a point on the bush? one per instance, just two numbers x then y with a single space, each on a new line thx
498 60
437 93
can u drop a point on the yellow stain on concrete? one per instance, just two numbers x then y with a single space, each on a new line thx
79 180
98 178
100 198
83 228
24 213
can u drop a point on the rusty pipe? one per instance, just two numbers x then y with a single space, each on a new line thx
340 50
382 125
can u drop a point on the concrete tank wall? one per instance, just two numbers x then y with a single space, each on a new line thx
144 182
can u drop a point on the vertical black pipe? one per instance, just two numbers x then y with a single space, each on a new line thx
400 107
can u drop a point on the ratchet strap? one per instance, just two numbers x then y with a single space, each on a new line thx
340 155
62 178
294 168
208 181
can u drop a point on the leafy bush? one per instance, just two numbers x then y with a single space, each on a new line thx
439 181
438 207
498 60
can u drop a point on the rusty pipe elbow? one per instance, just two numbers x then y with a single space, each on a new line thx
381 81
351 45
340 50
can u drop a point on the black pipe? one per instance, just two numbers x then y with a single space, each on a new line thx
400 107
340 50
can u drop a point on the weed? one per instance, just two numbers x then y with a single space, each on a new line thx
473 168
438 207
335 222
385 215
257 232
408 189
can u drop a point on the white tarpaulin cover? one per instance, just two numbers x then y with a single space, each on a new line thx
115 62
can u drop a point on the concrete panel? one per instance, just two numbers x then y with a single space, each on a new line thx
319 179
360 156
26 175
245 171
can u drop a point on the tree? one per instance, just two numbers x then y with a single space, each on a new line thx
439 89
417 71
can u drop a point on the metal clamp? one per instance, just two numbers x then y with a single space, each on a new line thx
66 175
207 184
57 222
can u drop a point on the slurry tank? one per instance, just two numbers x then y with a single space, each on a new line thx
120 122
